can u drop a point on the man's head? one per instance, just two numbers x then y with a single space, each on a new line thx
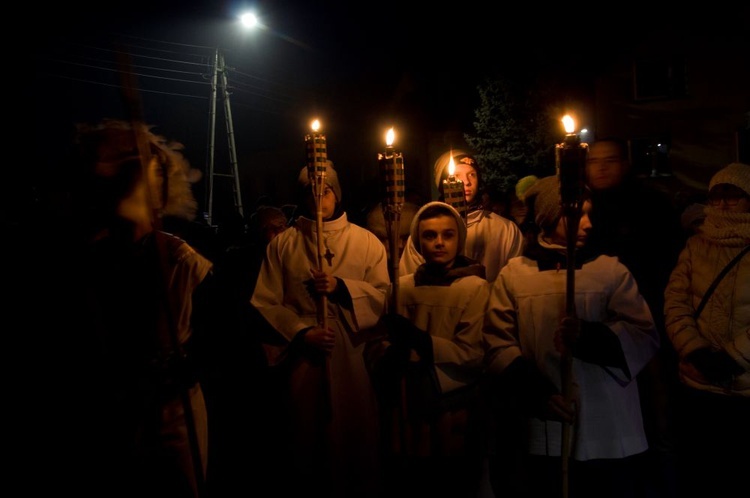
607 164
439 234
467 170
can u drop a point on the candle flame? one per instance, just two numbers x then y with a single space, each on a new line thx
315 125
390 137
451 166
569 124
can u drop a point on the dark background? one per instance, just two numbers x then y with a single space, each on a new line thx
358 67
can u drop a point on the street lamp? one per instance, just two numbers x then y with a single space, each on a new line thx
219 76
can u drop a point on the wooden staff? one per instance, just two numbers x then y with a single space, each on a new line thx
392 180
570 158
317 169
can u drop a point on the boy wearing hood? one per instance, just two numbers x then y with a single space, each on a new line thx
434 344
491 239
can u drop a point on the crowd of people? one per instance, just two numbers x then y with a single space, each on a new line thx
593 347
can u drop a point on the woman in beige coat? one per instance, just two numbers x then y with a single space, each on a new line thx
713 417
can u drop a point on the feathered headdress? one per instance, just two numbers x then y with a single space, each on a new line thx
109 160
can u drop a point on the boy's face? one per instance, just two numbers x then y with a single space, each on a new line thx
438 238
327 202
468 175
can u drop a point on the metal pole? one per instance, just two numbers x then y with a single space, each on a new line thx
211 142
230 136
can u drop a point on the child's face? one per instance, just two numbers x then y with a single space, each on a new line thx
438 238
560 235
468 175
327 202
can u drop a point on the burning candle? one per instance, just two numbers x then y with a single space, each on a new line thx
317 154
570 158
392 176
453 189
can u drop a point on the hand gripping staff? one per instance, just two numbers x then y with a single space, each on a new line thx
317 169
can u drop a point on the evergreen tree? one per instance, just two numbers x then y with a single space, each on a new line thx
515 130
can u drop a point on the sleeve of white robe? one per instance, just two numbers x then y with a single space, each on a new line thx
464 349
631 322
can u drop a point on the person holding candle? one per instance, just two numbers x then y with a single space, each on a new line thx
433 342
612 338
332 405
491 238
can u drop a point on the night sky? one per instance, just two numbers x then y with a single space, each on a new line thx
359 67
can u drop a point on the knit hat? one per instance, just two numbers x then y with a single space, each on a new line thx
523 185
459 156
332 179
737 174
543 200
448 210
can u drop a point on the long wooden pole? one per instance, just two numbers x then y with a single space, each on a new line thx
317 169
570 158
394 189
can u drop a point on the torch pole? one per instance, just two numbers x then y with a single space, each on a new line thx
392 180
570 162
317 168
319 182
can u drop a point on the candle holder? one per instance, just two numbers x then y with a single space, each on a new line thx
570 162
392 179
317 158
394 188
453 190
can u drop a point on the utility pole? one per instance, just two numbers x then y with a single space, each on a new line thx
219 76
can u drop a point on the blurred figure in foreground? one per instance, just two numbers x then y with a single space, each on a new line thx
709 326
142 427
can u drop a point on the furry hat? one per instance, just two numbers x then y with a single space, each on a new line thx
448 209
459 156
108 164
332 180
737 174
